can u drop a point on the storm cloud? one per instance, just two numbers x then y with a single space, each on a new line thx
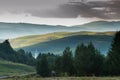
107 9
103 9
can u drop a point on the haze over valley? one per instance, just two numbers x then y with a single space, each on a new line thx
14 30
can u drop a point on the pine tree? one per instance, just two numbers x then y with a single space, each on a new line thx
42 67
95 60
67 61
58 65
80 59
88 60
113 57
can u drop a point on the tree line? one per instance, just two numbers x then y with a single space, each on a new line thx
20 56
85 61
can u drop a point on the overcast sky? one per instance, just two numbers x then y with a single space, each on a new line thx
59 12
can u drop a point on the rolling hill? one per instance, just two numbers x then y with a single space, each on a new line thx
13 30
101 42
35 39
101 26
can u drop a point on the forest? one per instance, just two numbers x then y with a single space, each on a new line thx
85 61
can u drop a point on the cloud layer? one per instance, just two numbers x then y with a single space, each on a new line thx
103 9
107 9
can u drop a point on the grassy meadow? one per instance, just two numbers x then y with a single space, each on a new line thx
8 68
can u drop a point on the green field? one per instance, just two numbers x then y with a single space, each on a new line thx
14 69
68 78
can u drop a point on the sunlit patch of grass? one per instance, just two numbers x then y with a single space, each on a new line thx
35 39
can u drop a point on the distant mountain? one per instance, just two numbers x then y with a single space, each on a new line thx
35 39
103 23
101 42
12 30
101 26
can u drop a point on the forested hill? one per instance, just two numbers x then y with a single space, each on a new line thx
24 29
6 48
7 53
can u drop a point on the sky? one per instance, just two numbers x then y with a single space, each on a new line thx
59 12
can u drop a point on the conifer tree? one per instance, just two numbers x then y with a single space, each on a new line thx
58 65
42 67
67 61
79 59
113 57
88 60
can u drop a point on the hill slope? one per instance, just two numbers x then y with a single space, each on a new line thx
12 30
11 69
35 39
101 26
9 54
101 42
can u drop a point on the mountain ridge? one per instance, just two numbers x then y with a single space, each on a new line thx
34 39
101 42
13 30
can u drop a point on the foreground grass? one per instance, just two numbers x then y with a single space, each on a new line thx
14 69
68 78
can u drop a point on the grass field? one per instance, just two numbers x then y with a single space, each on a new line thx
14 69
68 78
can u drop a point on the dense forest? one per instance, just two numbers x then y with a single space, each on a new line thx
86 61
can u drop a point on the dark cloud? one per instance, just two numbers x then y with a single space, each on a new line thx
109 9
104 9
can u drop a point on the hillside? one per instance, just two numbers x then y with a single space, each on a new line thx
35 39
101 42
13 30
10 61
104 23
11 69
101 26
22 29
9 54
